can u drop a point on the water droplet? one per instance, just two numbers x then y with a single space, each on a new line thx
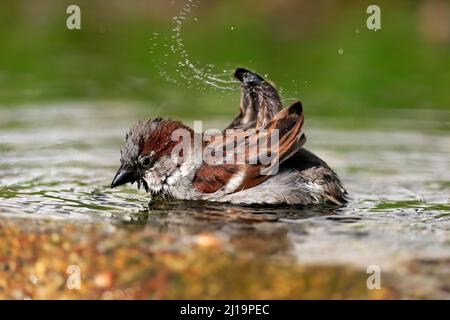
192 74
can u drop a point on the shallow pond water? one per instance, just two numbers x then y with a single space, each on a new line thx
56 209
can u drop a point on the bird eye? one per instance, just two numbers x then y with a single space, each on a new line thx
146 162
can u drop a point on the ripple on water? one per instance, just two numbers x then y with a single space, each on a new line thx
399 209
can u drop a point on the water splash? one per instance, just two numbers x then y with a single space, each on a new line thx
194 75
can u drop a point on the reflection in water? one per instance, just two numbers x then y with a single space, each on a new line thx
399 215
261 230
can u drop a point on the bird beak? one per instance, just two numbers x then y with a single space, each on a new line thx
123 176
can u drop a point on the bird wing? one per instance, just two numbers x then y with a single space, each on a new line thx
241 159
260 101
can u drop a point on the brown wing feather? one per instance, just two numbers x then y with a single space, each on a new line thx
209 179
260 102
289 121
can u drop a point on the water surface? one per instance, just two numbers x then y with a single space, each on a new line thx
56 209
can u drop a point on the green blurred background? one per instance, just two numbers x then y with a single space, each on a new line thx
399 72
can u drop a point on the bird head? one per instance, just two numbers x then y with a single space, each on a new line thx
147 155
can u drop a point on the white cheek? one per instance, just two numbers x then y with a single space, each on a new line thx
186 168
151 180
173 178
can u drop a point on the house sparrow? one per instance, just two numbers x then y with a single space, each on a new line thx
169 167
